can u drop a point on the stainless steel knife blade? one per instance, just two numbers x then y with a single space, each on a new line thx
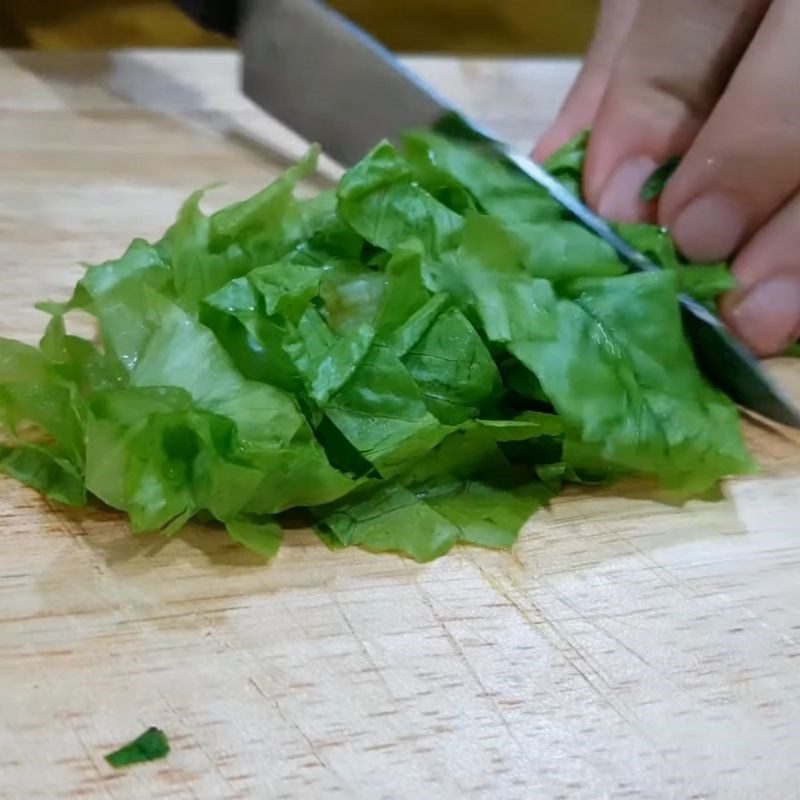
322 76
315 71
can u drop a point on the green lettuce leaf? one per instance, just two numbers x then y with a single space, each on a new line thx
383 202
703 282
494 188
467 490
793 351
150 746
566 164
421 357
41 440
611 359
654 185
425 526
261 537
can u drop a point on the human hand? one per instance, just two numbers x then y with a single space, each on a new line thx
716 82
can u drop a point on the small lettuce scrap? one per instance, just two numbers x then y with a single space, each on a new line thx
654 185
149 746
421 357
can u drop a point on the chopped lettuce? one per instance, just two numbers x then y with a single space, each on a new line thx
150 746
654 185
422 357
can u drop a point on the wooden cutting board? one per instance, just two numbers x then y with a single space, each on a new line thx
625 649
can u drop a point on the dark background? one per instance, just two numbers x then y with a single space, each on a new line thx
497 27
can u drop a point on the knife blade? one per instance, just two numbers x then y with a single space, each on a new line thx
319 74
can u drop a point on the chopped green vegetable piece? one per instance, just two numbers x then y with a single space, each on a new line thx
425 523
566 164
262 538
655 184
493 187
793 351
150 746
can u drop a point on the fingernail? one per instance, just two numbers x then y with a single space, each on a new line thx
767 318
620 199
710 228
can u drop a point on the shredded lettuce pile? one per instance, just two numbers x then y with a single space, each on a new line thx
420 357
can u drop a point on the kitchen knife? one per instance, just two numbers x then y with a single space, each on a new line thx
322 76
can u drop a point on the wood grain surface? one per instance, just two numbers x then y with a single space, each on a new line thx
626 648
